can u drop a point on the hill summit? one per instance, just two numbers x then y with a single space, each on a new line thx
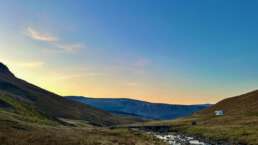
5 70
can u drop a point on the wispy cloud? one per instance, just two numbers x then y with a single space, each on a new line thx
52 40
36 35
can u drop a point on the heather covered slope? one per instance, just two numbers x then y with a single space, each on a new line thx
140 109
52 104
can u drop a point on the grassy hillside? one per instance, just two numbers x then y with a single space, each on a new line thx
246 104
52 104
238 125
22 111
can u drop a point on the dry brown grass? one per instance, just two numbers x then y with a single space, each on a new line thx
232 129
23 125
14 133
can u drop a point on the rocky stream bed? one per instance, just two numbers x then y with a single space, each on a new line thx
176 139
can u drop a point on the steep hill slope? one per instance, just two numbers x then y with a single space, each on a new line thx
12 109
140 108
246 104
51 104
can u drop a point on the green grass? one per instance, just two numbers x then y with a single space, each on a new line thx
23 111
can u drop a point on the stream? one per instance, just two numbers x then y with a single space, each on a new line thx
164 133
176 139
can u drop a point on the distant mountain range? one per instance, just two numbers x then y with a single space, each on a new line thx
136 108
17 95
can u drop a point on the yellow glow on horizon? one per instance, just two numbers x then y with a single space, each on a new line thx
74 84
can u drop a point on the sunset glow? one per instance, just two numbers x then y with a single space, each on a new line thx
170 52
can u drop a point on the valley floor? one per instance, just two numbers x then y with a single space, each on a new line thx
18 133
217 130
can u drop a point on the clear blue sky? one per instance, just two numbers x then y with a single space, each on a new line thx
176 51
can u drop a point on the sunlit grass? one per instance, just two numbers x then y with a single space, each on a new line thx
24 112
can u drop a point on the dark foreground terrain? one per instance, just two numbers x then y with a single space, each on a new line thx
17 132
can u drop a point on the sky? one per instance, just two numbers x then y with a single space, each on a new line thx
166 51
